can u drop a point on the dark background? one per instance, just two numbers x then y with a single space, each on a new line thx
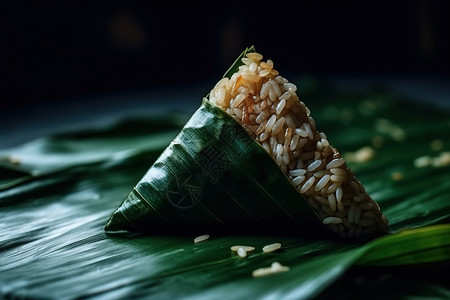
69 50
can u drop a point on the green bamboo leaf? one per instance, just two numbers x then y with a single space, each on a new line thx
49 155
213 175
413 246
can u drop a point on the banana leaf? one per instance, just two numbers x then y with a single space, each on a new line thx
53 209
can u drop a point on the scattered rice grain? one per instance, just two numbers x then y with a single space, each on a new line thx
247 248
275 268
201 238
242 252
271 247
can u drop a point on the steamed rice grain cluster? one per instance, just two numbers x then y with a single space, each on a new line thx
267 106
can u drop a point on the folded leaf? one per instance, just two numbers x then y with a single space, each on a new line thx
213 175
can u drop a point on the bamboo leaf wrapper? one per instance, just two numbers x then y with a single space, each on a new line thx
213 175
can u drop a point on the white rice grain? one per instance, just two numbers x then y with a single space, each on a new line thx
297 180
263 136
261 128
264 73
280 106
338 178
201 238
275 268
297 172
307 127
286 96
278 126
242 252
270 123
332 202
290 86
255 56
319 146
337 162
262 116
314 165
247 248
301 132
339 193
322 182
308 184
279 159
264 90
238 112
271 247
276 88
238 100
279 149
294 142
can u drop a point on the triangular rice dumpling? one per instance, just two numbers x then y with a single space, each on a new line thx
250 158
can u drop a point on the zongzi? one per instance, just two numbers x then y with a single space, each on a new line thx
252 158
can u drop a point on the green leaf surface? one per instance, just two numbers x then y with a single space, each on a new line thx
53 210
